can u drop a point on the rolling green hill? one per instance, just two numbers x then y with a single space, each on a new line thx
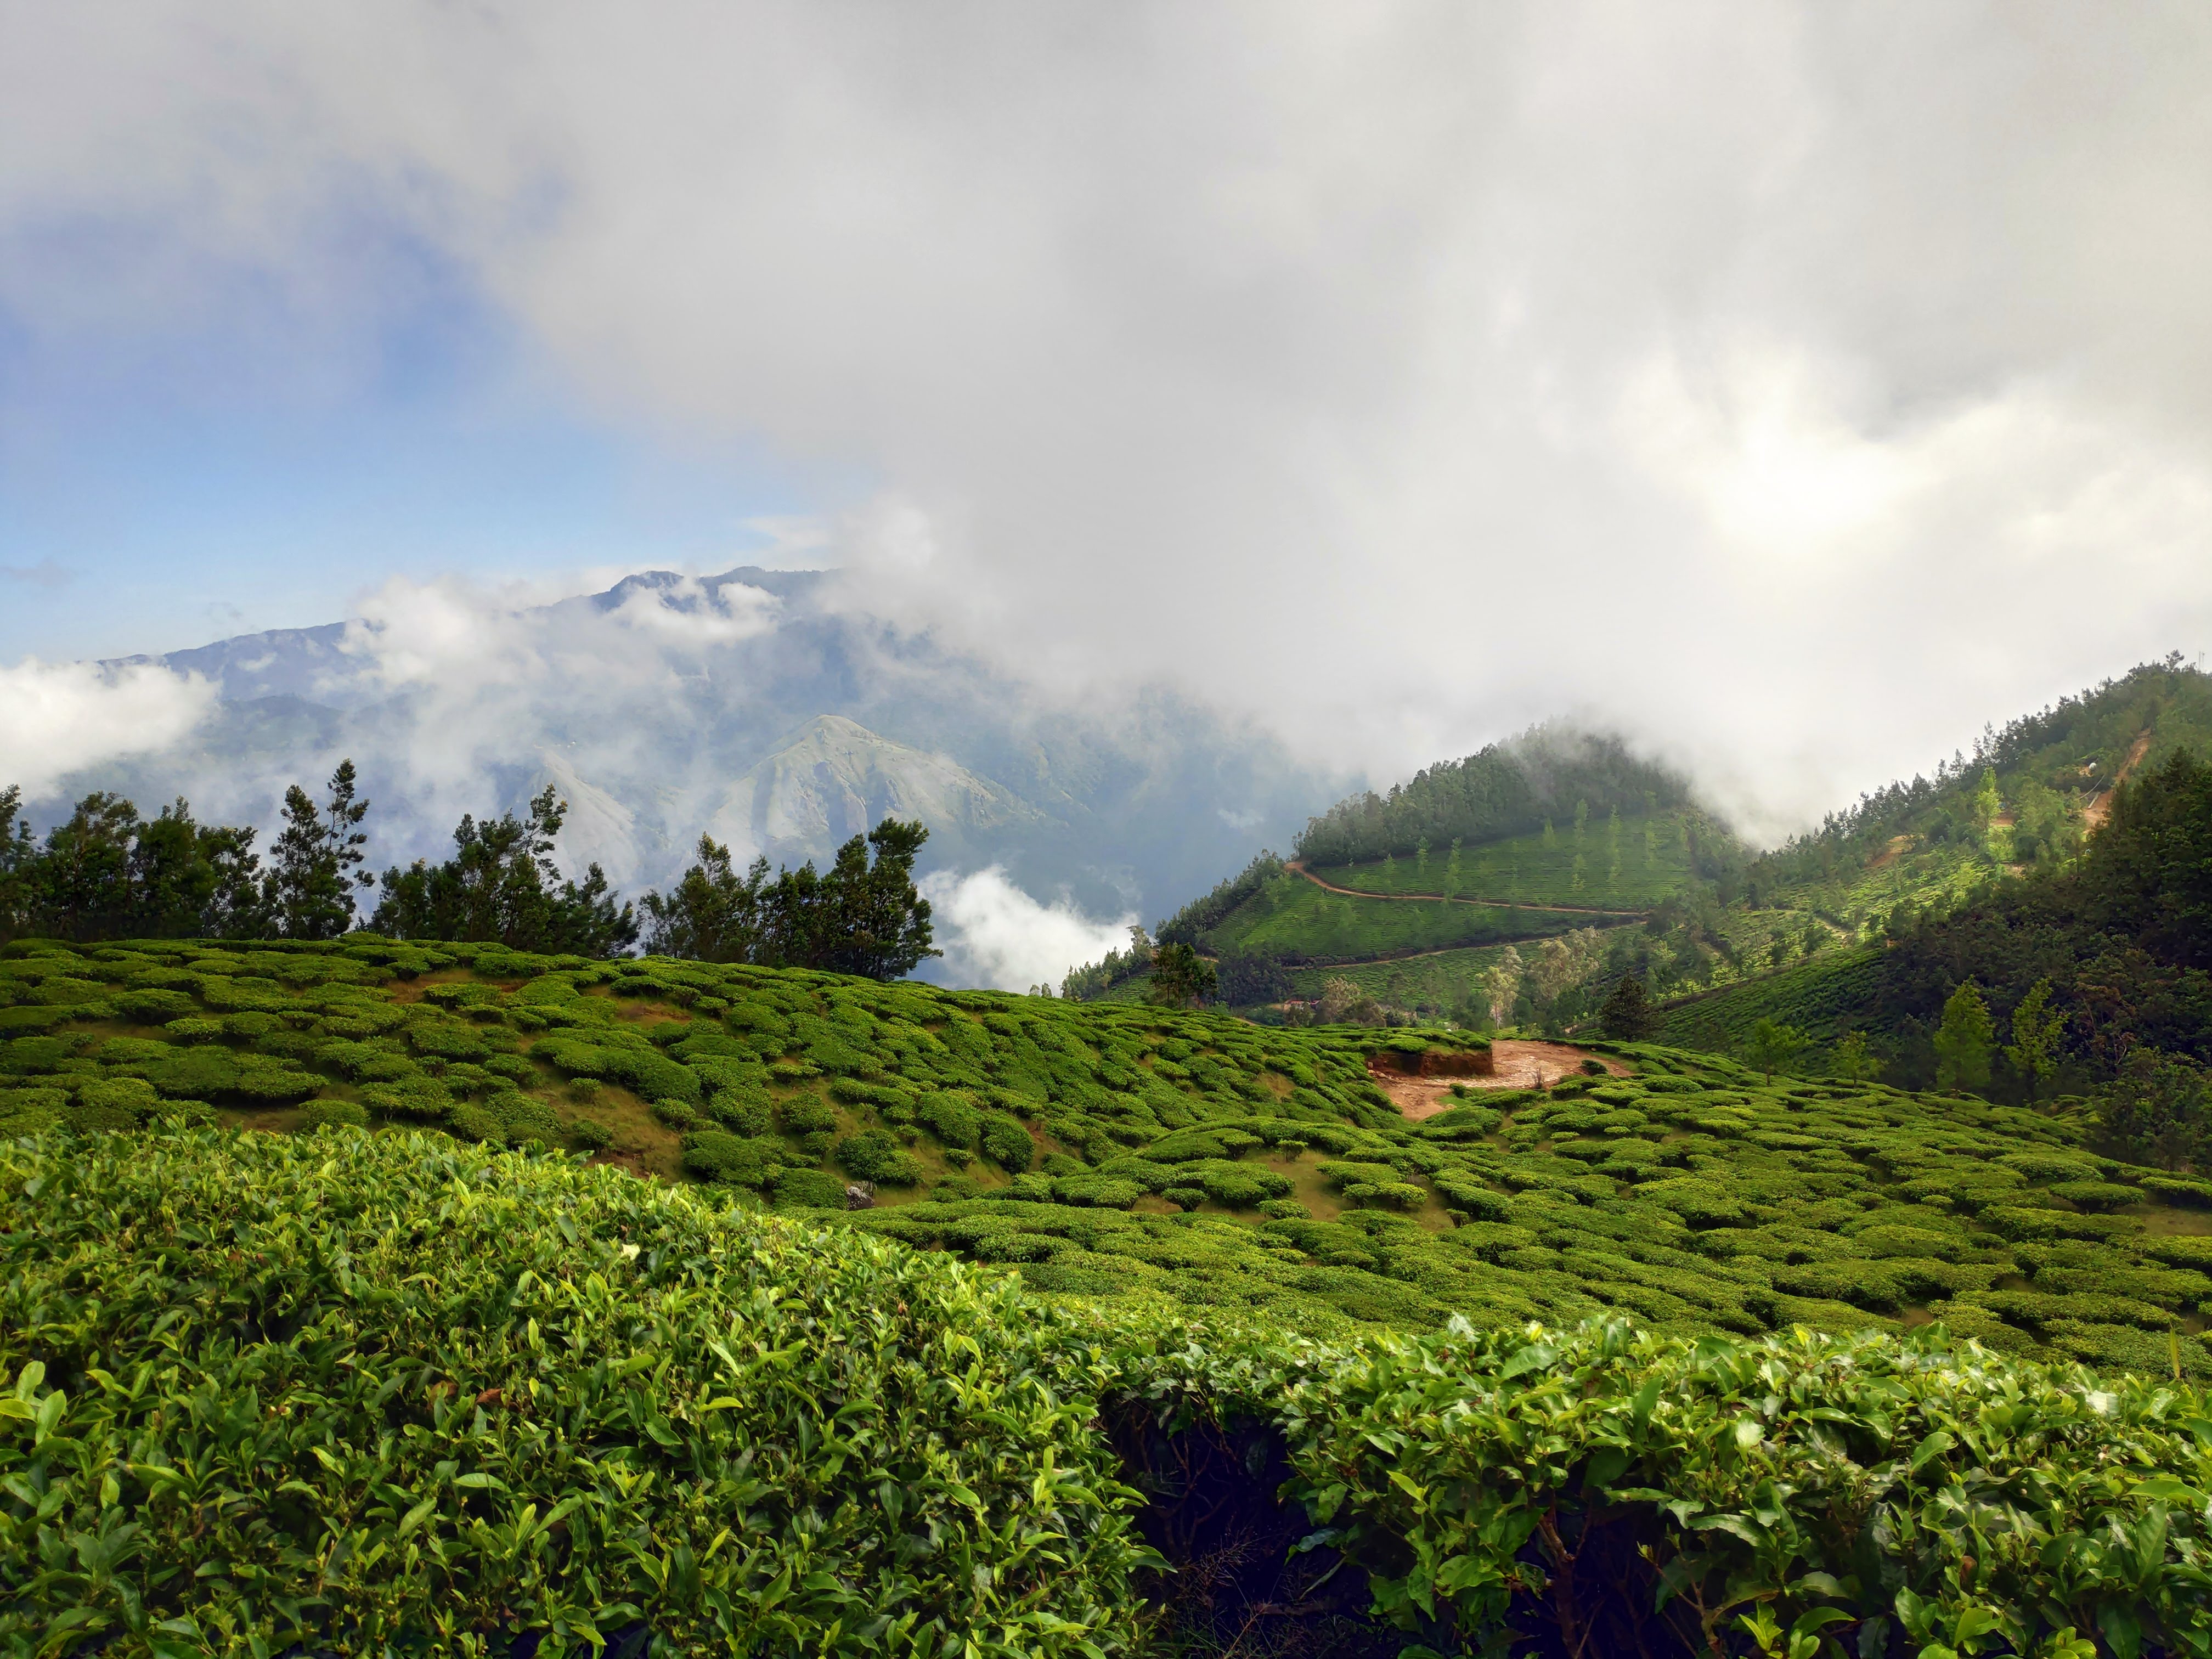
1130 1154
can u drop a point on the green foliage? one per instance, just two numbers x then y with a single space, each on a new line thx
1506 789
860 917
1774 1497
501 885
1692 1196
1771 1046
239 1415
1180 977
1963 1042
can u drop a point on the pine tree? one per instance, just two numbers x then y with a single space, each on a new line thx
312 886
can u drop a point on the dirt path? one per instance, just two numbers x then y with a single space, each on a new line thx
2094 814
1521 1064
1458 898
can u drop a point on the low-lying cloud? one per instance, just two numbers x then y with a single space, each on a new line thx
992 933
62 716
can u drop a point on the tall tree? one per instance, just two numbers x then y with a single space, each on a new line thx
880 923
712 915
501 885
1626 1013
862 916
1964 1041
106 872
316 853
1180 977
2035 1025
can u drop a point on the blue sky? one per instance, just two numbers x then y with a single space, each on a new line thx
168 482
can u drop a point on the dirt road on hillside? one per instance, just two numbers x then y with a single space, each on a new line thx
1520 1065
1458 898
2094 814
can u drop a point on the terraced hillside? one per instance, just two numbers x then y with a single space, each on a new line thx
1618 864
1129 1153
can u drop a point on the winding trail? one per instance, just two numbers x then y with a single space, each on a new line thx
1458 898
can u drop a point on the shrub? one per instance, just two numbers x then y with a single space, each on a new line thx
470 1121
802 1189
590 1133
873 1156
323 1114
803 1114
675 1113
1189 1197
1006 1142
513 1369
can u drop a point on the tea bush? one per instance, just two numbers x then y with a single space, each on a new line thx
1131 1153
392 1394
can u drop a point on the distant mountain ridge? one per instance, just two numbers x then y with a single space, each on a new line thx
760 706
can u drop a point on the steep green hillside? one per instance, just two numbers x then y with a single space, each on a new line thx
1307 923
1616 863
1128 1152
2113 934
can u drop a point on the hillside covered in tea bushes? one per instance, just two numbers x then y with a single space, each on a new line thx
1147 1157
343 1393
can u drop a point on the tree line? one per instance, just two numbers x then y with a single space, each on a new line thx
1506 789
108 873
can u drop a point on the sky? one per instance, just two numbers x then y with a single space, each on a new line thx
1795 387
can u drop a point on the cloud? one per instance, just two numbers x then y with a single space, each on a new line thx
1797 387
62 716
994 933
47 573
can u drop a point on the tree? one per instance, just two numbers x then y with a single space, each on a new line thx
862 917
880 923
712 915
1250 977
1627 1014
312 884
501 885
1963 1042
1987 803
106 872
1771 1046
2033 1051
1853 1060
1180 977
2156 1110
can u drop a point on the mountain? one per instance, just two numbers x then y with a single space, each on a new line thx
836 779
769 709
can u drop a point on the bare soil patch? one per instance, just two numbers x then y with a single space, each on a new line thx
1516 1063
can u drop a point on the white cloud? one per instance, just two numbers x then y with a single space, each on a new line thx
994 933
62 716
1797 386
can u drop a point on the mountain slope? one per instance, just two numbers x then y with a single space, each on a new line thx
767 707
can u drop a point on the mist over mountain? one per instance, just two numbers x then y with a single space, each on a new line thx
768 708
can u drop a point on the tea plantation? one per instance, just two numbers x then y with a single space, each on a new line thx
390 1391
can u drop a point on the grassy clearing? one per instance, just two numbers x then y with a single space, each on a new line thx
1628 864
